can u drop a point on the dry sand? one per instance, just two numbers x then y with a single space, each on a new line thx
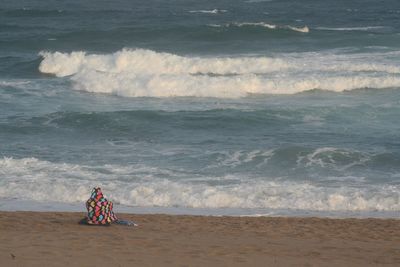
56 239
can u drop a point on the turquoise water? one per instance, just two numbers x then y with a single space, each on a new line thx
278 107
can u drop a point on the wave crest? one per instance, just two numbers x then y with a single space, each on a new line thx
304 29
212 11
39 180
145 73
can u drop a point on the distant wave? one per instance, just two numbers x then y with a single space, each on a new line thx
304 29
257 1
213 11
145 73
262 24
367 28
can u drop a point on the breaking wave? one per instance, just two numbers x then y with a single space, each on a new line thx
213 11
146 73
303 29
39 180
363 29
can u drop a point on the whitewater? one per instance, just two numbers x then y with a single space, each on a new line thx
140 73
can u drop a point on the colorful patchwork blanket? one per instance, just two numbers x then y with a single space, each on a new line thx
100 210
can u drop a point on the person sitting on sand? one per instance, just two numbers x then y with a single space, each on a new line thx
100 210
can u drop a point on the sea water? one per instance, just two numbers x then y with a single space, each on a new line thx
202 107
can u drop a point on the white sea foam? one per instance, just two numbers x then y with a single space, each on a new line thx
334 158
304 29
148 62
237 158
214 25
16 84
213 11
367 28
262 24
38 180
312 119
145 73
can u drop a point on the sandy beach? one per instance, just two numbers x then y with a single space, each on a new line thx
56 239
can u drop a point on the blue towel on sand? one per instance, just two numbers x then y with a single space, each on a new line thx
127 223
120 222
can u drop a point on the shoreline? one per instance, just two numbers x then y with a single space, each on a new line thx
56 239
12 205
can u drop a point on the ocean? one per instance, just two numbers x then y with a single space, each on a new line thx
243 107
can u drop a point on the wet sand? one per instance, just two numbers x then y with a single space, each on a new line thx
56 239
